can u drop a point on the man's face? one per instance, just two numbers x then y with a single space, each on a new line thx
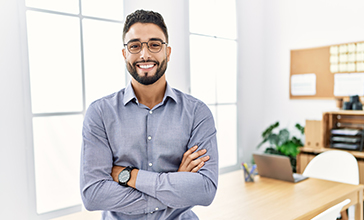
146 67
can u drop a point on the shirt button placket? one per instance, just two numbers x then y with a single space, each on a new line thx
149 139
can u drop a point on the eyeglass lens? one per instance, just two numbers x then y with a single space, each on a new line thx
154 46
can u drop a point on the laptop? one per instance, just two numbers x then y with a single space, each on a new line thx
276 167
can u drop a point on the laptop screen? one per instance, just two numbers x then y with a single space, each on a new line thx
274 166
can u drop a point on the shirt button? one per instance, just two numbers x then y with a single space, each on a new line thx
150 164
156 209
149 138
150 112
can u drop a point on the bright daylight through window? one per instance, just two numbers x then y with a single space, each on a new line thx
74 58
213 51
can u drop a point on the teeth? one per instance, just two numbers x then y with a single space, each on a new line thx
146 66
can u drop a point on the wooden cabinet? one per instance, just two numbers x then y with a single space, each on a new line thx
330 120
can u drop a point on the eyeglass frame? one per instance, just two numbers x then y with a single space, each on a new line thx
141 47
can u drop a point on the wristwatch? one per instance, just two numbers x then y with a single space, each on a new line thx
124 175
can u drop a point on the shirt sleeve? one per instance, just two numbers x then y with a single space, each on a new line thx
183 189
98 190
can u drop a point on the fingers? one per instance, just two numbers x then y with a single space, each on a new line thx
192 160
188 153
200 165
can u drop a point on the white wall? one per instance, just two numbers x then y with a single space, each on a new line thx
301 24
273 28
251 68
13 162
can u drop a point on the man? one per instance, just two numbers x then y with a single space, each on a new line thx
149 151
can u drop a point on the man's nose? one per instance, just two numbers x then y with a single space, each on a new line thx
145 53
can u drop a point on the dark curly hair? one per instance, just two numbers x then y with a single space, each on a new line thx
143 16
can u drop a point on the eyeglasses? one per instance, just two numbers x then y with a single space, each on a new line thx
135 46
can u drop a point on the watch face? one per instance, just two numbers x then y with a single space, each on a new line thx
124 176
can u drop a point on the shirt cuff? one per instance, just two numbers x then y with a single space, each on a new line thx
146 182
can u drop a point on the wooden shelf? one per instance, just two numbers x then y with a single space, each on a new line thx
357 154
320 133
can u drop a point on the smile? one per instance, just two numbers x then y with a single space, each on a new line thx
146 66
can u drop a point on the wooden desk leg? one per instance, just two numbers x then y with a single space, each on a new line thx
359 207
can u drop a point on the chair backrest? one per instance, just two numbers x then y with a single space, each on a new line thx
331 213
334 165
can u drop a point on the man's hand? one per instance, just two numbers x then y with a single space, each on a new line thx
115 172
133 175
190 163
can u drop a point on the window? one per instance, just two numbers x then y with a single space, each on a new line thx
213 59
75 57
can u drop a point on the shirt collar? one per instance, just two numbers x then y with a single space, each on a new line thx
130 95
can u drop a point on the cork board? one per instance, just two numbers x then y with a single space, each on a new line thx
318 61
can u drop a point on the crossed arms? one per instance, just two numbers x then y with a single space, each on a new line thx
192 161
194 183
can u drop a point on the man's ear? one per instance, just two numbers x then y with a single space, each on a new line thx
169 50
124 53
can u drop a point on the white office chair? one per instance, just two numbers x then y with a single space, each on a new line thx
334 165
331 213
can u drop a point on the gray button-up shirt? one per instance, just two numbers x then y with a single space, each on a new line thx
118 130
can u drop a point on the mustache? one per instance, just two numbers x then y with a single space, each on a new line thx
145 61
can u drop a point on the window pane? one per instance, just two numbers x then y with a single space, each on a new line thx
57 144
226 19
104 65
202 17
203 63
213 76
227 135
110 9
213 18
226 69
54 62
68 6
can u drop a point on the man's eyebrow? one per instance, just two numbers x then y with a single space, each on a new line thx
138 39
156 39
133 40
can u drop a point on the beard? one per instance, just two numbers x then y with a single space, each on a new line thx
145 79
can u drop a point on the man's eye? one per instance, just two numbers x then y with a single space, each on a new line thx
154 44
134 46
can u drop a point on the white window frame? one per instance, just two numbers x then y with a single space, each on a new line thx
29 116
236 166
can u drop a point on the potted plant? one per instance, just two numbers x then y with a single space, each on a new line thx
281 142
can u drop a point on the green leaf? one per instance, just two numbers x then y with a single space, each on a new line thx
283 136
297 141
269 130
273 139
300 128
289 148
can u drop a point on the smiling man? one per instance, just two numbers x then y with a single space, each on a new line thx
149 151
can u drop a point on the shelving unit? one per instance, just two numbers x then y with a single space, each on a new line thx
319 137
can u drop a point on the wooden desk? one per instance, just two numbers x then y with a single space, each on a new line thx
274 199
